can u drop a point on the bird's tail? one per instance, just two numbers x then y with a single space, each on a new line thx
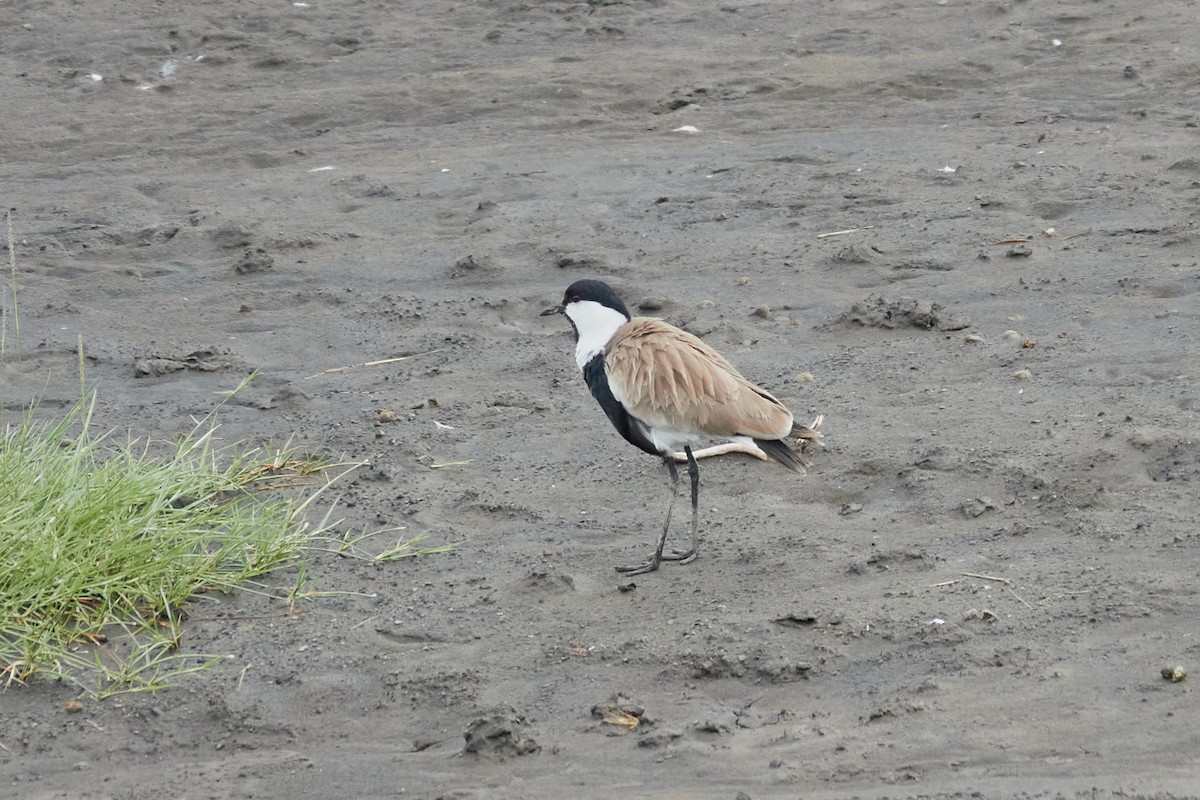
779 450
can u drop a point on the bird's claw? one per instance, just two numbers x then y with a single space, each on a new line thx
682 556
638 569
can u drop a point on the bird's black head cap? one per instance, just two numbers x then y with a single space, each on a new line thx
596 291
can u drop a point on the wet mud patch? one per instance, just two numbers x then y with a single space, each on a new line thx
832 205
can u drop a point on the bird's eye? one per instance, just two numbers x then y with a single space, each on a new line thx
575 298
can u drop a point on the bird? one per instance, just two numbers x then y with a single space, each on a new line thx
664 389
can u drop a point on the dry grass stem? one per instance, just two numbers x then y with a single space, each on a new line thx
1024 602
843 233
1005 581
377 363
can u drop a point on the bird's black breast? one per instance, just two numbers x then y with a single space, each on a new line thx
626 425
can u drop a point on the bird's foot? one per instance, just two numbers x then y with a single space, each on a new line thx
639 569
682 556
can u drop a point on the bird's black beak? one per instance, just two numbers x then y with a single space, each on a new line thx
553 310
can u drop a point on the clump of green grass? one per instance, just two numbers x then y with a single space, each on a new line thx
102 544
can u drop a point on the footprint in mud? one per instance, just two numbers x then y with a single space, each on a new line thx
904 312
254 260
1169 456
199 361
541 582
500 734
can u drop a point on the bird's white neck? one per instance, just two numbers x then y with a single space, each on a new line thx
595 324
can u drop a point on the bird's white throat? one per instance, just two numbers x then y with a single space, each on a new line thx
596 324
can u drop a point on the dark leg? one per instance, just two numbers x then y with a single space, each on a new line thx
688 556
656 559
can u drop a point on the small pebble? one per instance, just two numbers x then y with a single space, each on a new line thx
973 338
1022 374
1174 673
762 311
804 377
73 706
1010 335
1028 343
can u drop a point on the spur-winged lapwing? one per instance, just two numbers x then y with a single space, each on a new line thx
664 389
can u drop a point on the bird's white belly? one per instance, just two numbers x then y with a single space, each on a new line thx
667 439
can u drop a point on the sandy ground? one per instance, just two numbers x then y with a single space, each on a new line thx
970 594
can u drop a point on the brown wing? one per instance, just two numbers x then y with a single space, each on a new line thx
668 377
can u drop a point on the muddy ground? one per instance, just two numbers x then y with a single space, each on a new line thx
970 594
